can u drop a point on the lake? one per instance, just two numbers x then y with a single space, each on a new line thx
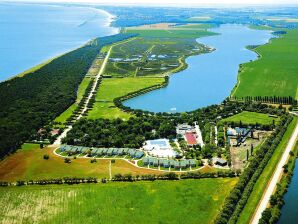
210 77
32 33
289 212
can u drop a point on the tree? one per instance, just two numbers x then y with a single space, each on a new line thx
46 156
67 160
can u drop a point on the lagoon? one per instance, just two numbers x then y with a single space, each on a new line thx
34 33
209 77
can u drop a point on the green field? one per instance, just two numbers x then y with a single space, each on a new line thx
250 118
171 33
261 183
275 73
115 87
186 201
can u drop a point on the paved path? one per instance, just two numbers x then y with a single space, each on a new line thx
274 179
68 128
199 133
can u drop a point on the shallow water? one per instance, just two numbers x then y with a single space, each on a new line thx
289 212
210 77
31 34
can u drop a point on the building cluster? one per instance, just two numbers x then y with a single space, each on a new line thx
237 136
100 152
188 132
169 163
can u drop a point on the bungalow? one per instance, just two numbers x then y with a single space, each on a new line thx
166 163
131 153
146 161
155 162
138 154
172 163
183 164
151 161
177 165
192 163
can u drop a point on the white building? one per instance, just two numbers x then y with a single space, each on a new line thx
159 148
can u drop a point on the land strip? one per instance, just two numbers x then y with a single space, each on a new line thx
275 178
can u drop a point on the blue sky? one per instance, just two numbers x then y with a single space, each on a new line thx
174 2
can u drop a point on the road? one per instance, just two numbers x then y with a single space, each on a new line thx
68 128
274 179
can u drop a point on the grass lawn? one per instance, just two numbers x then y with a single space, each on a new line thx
115 87
81 91
262 182
171 33
28 163
250 118
275 73
185 201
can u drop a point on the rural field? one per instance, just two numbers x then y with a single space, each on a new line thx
185 201
250 118
28 164
275 73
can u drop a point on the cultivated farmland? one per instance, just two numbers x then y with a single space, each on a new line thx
187 201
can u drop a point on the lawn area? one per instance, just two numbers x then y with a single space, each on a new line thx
250 118
262 182
115 87
275 73
171 33
28 163
81 91
185 201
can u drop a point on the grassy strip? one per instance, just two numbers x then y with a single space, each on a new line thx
262 181
138 202
250 118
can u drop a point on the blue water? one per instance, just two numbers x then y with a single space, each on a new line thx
289 212
31 34
210 77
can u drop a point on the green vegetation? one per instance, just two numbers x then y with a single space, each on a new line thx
237 200
170 33
262 181
36 99
189 201
145 56
81 91
250 118
275 73
115 87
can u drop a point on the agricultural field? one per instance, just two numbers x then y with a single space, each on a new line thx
145 56
250 118
28 163
111 88
275 73
187 201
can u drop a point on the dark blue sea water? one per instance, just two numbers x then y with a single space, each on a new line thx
31 34
289 212
209 78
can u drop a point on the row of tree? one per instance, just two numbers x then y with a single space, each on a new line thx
288 100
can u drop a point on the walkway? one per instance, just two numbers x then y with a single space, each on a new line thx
275 178
199 133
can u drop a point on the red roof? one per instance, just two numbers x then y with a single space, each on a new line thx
190 138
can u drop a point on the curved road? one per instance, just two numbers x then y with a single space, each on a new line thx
274 179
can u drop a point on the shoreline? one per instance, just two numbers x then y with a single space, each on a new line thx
109 20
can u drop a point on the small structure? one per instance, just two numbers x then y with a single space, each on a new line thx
181 129
219 162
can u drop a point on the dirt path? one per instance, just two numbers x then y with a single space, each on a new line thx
274 179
